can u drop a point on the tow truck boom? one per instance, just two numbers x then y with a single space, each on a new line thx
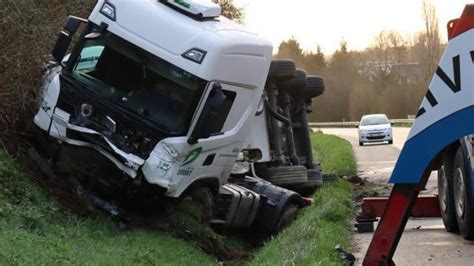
443 116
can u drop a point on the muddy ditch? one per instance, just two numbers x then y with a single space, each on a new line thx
181 218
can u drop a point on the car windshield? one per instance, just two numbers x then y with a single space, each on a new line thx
141 82
374 120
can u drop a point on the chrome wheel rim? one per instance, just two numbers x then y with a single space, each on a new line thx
460 195
443 191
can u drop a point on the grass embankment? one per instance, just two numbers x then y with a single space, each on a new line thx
36 230
334 153
311 239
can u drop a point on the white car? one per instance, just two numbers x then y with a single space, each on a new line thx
375 128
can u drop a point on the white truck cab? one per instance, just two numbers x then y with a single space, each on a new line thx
145 82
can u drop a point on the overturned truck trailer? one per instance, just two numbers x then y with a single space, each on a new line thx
166 99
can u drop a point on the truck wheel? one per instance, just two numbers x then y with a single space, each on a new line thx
203 195
287 216
296 84
390 141
314 88
282 69
288 175
445 194
329 177
315 180
462 204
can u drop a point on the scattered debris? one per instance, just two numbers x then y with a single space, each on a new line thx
365 225
348 258
329 177
354 179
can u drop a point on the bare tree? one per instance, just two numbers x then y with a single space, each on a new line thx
431 39
231 11
386 52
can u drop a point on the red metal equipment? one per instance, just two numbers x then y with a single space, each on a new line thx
392 224
425 206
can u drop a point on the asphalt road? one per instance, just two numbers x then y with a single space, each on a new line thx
424 242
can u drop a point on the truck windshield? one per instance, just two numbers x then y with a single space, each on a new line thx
141 82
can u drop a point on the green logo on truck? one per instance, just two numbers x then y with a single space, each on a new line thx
45 106
192 156
182 3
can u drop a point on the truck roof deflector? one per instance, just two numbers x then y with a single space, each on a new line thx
202 9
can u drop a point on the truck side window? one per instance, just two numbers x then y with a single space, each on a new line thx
230 97
205 128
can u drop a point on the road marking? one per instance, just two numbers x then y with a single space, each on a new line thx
378 162
440 244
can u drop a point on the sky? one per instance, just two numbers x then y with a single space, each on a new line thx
328 22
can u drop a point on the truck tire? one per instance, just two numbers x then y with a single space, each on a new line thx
445 193
287 216
462 204
315 180
329 177
285 176
282 69
314 87
296 84
203 196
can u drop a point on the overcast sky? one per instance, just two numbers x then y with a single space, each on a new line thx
327 22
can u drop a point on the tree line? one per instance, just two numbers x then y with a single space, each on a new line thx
390 76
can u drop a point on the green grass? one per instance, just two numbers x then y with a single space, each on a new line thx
311 239
334 153
36 230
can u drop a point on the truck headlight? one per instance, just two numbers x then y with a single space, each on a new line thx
195 55
108 10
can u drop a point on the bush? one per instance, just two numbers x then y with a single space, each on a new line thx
28 31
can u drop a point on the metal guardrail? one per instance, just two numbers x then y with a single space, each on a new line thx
395 122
